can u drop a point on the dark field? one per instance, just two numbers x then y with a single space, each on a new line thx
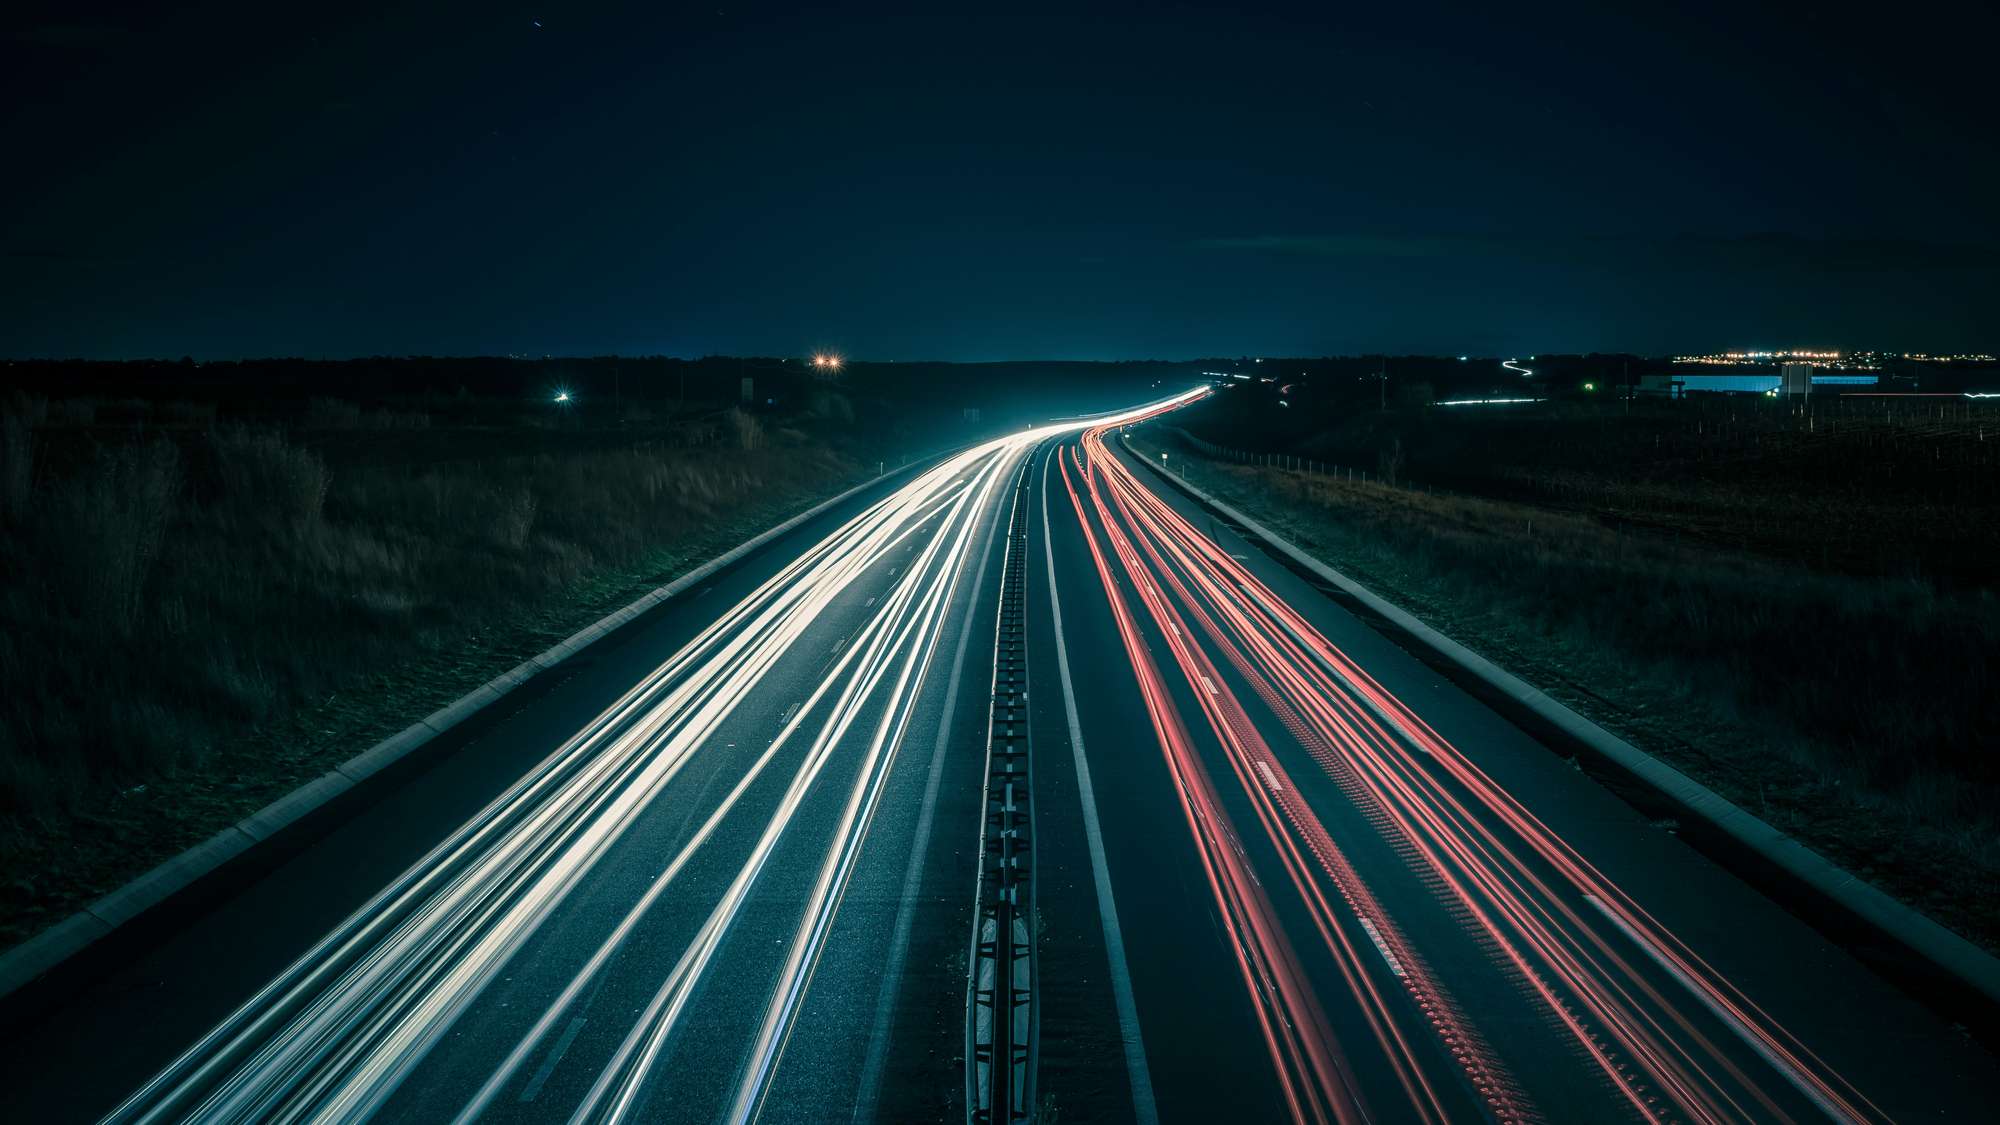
1900 488
1793 605
223 579
199 616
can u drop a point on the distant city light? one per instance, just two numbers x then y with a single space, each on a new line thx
1839 361
562 396
1590 386
1759 357
1482 401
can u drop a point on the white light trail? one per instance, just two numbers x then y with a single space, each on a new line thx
334 1036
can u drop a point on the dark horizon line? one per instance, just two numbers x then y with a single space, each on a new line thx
854 361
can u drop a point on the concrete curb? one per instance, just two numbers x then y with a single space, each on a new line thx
1964 964
39 955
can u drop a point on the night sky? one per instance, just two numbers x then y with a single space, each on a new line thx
994 181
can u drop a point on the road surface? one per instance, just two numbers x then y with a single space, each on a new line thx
724 867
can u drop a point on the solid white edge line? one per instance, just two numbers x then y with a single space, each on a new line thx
1143 1106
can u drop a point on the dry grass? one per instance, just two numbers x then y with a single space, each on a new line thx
1856 711
158 595
1876 488
169 600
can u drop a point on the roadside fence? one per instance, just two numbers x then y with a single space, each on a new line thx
1291 462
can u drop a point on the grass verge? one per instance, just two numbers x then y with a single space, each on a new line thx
195 622
1849 712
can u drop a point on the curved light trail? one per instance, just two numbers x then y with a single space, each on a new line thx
336 1035
1679 1043
703 845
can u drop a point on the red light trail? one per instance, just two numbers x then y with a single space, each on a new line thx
1391 910
1574 944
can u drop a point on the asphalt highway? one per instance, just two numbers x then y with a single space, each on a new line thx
723 867
1347 891
719 868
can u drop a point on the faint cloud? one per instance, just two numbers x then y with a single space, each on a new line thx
1686 251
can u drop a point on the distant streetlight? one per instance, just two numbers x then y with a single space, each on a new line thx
562 396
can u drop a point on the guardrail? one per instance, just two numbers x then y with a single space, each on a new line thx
1278 460
42 971
1939 967
1000 1027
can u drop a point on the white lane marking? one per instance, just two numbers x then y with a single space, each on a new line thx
1389 722
1270 779
548 1066
615 941
1382 947
1143 1106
